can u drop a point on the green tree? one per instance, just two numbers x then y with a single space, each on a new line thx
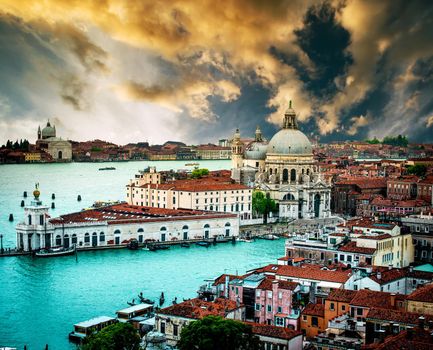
373 141
217 333
96 149
418 169
399 140
198 173
263 204
119 336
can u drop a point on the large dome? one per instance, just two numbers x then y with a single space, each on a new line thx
256 151
289 140
48 131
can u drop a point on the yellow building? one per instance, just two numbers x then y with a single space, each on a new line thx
32 157
421 300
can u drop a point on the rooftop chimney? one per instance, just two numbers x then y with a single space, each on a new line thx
390 267
411 269
379 275
409 333
393 299
226 287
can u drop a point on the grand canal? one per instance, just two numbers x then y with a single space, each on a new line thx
40 299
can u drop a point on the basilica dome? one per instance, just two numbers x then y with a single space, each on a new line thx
256 151
48 131
290 140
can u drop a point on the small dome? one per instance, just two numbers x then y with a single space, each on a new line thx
256 151
48 131
289 141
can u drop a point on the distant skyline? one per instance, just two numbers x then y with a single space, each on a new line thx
194 71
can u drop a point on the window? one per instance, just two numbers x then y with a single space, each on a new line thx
74 238
280 309
257 307
175 330
343 307
41 220
279 321
269 308
162 326
87 238
359 311
102 237
280 295
269 294
314 321
304 318
58 240
257 293
332 307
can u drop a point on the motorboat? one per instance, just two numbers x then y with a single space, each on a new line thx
94 325
53 252
203 243
185 245
108 168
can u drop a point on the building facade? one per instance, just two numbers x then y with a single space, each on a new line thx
285 169
59 149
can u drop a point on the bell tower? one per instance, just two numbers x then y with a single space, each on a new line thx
258 135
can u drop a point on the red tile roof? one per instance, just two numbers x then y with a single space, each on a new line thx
124 213
342 295
418 340
267 283
376 237
365 183
197 308
314 310
369 298
351 247
424 294
273 331
308 272
399 316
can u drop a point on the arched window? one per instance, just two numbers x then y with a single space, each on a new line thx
206 230
60 155
270 171
185 231
101 237
30 219
227 229
66 241
308 171
74 238
87 237
285 175
211 208
58 240
293 175
140 230
163 233
41 219
117 232
288 197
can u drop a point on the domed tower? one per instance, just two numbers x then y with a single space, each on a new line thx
35 231
48 131
258 135
237 150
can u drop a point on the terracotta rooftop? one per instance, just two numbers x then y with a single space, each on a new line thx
314 310
267 283
342 295
351 247
221 279
307 272
399 316
365 183
423 294
369 298
417 340
124 213
376 237
197 308
273 331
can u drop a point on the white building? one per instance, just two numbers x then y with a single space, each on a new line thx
285 169
212 193
118 224
59 149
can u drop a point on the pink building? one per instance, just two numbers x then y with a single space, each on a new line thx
267 300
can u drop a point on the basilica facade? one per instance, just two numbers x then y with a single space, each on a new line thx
285 168
59 149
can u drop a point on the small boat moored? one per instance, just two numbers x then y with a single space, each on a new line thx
185 245
108 168
203 244
53 252
132 244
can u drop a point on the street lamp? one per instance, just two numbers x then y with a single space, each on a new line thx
1 242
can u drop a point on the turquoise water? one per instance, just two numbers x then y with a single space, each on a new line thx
40 299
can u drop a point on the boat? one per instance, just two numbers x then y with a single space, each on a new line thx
203 244
246 240
192 164
132 244
222 239
185 245
53 252
130 312
145 300
270 237
155 247
108 168
85 328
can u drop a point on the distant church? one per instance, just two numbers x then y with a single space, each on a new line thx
284 168
59 149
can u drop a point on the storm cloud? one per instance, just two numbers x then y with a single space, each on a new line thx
195 71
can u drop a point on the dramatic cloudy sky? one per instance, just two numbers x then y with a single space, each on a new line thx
129 71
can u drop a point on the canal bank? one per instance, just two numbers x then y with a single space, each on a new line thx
43 298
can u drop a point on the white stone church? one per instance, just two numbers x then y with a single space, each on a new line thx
285 168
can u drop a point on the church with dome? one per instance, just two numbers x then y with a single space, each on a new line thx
60 150
285 168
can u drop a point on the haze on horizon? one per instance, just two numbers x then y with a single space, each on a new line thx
130 71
